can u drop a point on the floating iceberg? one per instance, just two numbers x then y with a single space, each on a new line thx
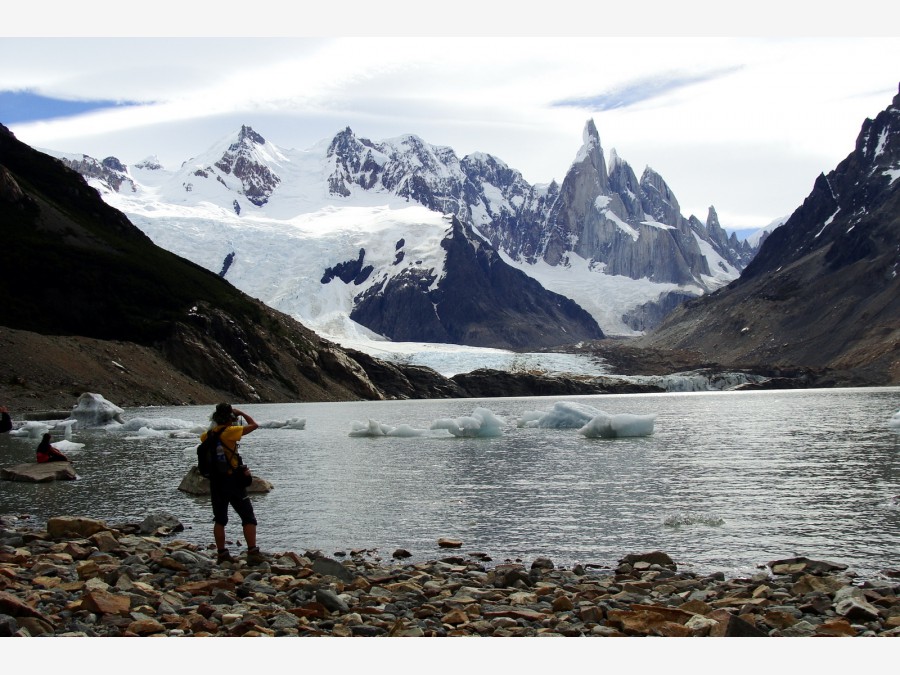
31 429
623 425
374 428
482 423
292 423
894 422
67 428
66 447
688 519
157 424
92 410
145 433
563 415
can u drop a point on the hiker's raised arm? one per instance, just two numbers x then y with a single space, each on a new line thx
251 423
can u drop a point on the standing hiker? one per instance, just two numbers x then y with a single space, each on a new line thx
228 480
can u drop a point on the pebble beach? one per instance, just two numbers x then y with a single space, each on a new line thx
80 577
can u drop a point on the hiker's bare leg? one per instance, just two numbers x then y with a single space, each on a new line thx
250 535
219 536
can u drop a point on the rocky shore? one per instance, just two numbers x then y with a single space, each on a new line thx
82 577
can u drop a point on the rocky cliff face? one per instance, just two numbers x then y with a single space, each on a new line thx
242 160
111 172
634 228
478 301
824 289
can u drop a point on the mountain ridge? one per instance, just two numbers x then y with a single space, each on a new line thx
611 252
824 290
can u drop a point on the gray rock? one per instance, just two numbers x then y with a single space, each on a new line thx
542 564
39 473
155 522
191 558
11 539
737 627
222 598
850 602
651 558
252 587
367 631
331 601
8 625
332 568
284 621
799 629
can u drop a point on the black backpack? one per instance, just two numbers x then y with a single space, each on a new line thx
206 453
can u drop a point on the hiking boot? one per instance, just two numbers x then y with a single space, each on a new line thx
224 556
255 556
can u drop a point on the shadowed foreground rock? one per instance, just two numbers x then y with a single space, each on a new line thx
95 580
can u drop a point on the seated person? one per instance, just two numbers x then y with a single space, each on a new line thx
47 453
5 420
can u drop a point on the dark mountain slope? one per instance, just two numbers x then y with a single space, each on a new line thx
73 266
823 291
479 301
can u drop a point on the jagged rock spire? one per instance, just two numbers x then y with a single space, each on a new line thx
247 133
591 152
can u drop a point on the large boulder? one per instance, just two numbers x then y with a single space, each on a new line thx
39 473
60 527
852 603
195 484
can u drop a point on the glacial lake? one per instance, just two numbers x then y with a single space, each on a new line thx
726 482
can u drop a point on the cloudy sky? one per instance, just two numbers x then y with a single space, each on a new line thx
742 123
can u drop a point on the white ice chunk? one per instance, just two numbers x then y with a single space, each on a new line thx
92 410
144 433
193 432
563 415
292 423
369 429
67 424
31 430
66 447
482 423
373 428
623 425
407 431
530 418
159 424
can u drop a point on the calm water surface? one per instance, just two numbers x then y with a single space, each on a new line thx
728 480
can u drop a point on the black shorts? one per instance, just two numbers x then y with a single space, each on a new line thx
223 493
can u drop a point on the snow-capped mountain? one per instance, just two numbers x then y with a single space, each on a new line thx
410 241
757 238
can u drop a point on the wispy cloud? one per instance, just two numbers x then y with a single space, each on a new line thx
643 89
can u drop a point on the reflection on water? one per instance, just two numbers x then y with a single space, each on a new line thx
728 481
